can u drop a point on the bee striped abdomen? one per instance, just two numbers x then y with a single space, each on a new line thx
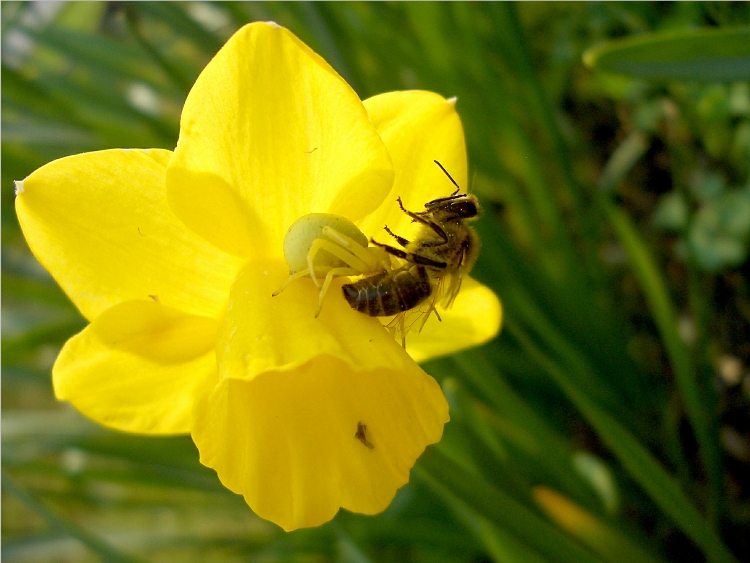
388 294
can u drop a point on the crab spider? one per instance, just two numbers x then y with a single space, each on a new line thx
322 244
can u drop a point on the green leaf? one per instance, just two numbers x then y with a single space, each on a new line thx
108 553
535 448
623 159
655 289
719 231
501 509
636 459
704 55
102 55
671 212
173 15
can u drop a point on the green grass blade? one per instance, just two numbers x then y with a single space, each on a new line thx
501 545
657 295
640 464
545 454
102 55
181 81
108 553
173 14
501 509
706 55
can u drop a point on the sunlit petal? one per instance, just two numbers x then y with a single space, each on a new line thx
263 333
269 133
100 223
474 319
417 128
138 368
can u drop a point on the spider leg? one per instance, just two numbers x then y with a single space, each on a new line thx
290 279
362 252
342 254
326 284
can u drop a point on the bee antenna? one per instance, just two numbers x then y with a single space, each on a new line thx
449 176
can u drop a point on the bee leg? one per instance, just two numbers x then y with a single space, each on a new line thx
402 328
410 256
401 240
390 249
417 259
326 284
441 233
415 216
434 226
431 310
341 253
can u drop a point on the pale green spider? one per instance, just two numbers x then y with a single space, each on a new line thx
322 244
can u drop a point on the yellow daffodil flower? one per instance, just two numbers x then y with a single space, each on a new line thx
173 258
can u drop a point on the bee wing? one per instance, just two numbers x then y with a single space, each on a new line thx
451 285
466 261
414 319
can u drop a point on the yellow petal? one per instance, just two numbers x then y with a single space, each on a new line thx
283 426
138 368
262 333
154 331
270 133
100 223
417 128
287 441
474 319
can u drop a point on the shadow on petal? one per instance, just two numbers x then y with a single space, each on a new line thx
154 331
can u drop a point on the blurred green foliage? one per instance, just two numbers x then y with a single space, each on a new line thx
704 55
608 422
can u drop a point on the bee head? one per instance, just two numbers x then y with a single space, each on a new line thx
464 206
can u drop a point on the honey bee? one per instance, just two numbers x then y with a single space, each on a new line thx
442 253
431 266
